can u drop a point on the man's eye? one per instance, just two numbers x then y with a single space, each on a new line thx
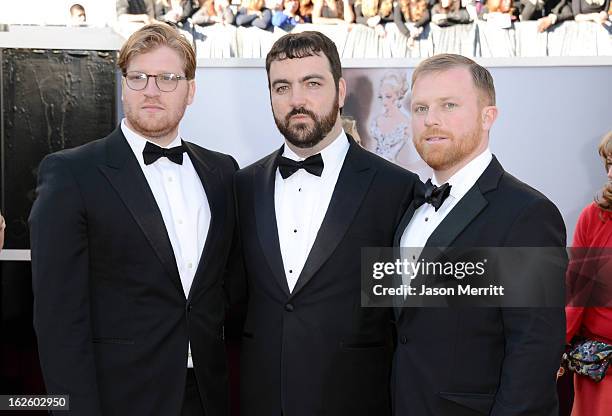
313 84
450 106
282 89
167 77
136 77
419 109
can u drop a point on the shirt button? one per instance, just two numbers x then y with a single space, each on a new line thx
180 222
190 265
295 231
290 271
169 178
300 190
426 219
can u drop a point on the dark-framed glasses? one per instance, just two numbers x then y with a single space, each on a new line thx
166 82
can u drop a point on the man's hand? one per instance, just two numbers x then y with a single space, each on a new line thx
373 21
544 23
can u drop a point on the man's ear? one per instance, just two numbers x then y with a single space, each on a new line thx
191 92
489 115
341 92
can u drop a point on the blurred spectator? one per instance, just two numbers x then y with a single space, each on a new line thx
274 5
501 13
594 229
411 16
306 7
174 11
213 11
374 13
149 11
332 12
590 10
253 13
2 227
77 15
289 17
546 12
136 11
449 12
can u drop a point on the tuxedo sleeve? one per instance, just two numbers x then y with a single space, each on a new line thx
535 337
60 282
235 283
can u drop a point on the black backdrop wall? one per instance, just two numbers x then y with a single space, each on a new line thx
50 100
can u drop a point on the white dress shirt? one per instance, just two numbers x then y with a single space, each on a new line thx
426 219
301 202
182 200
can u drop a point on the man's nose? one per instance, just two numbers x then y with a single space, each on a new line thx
151 90
298 98
432 117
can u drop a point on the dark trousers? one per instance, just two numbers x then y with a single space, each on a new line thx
192 404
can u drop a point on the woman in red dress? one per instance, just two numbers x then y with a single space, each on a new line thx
594 229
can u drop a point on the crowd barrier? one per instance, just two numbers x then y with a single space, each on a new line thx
479 39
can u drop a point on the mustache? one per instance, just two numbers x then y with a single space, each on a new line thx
433 132
300 110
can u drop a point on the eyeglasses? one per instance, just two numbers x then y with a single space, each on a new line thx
138 81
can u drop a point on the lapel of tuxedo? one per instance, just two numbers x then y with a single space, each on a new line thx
403 224
265 217
468 208
215 195
125 175
459 218
397 238
352 185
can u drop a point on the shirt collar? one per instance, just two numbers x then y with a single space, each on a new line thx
466 177
332 155
138 142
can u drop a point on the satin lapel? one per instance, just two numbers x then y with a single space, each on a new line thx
467 208
458 219
353 183
218 208
403 224
265 217
397 310
125 175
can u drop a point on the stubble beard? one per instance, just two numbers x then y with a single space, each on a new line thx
155 126
444 157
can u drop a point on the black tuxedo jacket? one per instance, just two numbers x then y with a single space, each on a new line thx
483 361
316 351
111 316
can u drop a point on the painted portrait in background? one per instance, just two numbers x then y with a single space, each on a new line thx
379 101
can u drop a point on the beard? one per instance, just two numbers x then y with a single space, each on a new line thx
303 136
441 157
154 125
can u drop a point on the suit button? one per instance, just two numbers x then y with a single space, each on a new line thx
403 339
289 307
189 307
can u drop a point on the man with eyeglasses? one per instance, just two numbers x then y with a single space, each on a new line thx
130 237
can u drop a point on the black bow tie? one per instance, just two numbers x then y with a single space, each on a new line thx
153 152
312 165
434 195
